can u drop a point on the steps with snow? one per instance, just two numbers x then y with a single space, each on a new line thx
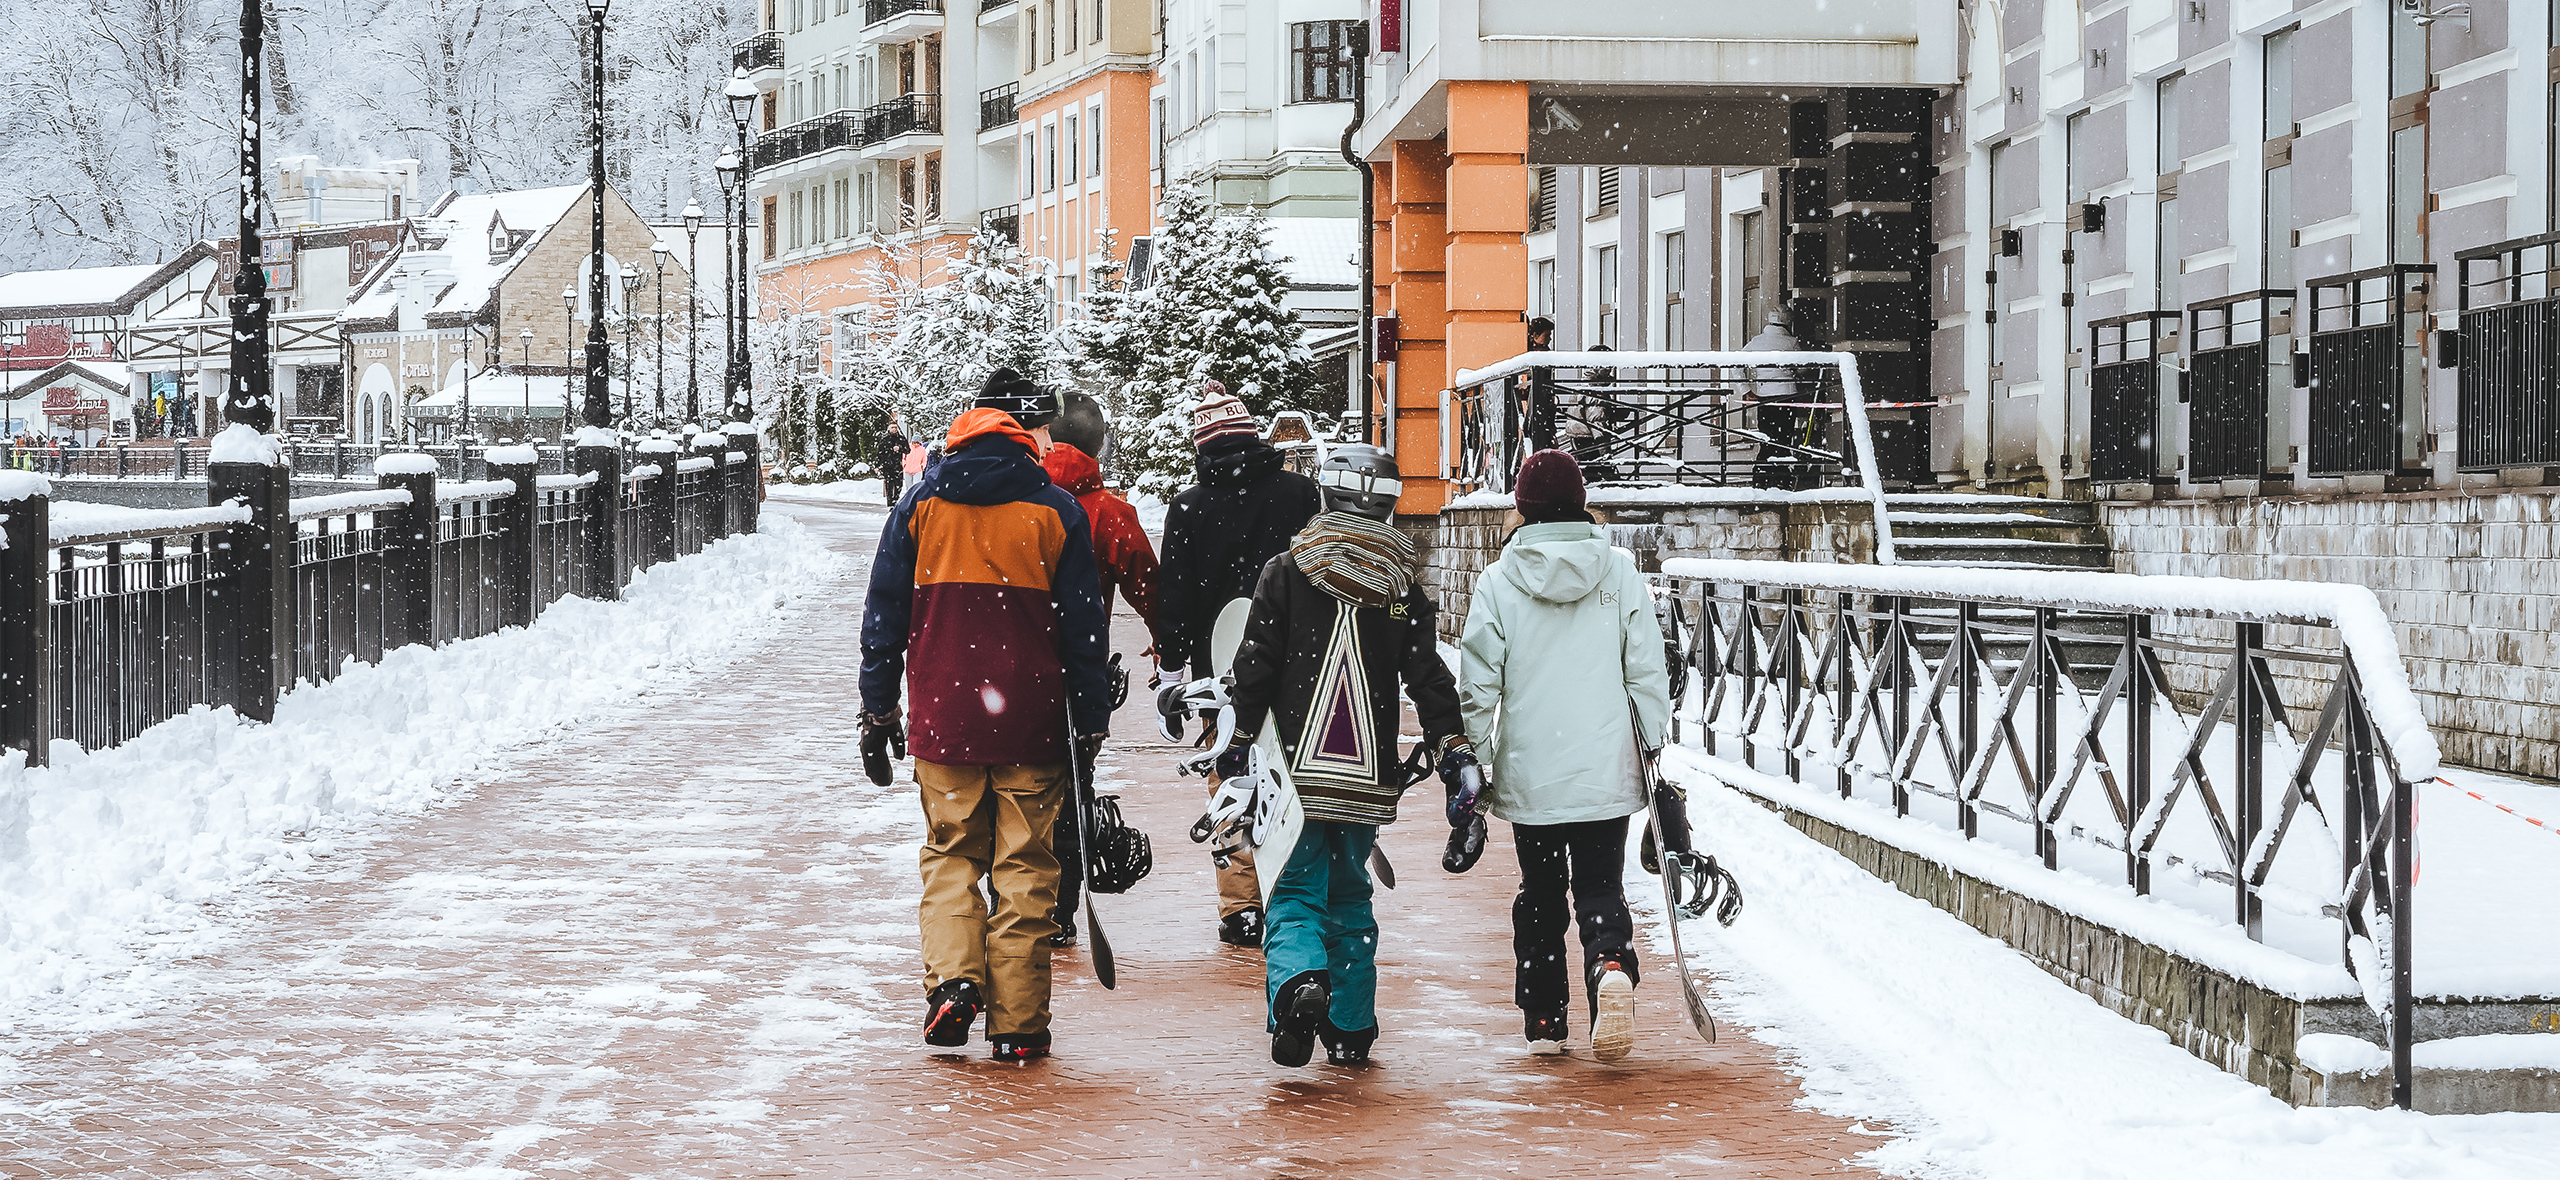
2005 532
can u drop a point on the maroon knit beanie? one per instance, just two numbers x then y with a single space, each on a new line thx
1549 488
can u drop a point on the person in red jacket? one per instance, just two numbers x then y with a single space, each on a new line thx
1127 564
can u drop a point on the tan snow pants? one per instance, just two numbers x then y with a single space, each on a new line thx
998 823
1239 887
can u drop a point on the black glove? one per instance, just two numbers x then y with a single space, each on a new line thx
1466 844
1233 762
1463 779
1088 747
881 732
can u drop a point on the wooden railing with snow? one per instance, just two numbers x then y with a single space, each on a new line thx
115 619
1949 695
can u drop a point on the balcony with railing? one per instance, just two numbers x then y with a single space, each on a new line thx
910 114
2368 391
890 22
996 107
1004 221
760 52
809 137
2508 399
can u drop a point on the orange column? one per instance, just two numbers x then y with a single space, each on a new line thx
1487 267
1417 250
1382 292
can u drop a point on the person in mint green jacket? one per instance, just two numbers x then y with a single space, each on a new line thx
1561 680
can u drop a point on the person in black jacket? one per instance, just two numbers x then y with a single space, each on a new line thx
891 459
1217 536
1339 627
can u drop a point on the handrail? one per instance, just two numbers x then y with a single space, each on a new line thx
137 524
472 491
696 463
1853 397
345 503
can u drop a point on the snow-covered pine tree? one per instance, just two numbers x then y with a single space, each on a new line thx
1212 309
990 310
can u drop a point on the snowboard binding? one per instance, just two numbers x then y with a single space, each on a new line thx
1206 699
1239 814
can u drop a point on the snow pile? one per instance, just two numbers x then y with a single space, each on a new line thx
73 521
598 436
473 489
240 444
343 503
842 491
519 455
406 463
19 485
578 480
1986 1067
103 849
658 446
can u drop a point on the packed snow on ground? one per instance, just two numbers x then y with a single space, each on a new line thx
842 491
108 859
1896 1014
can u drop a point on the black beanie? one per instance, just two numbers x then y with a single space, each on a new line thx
1015 394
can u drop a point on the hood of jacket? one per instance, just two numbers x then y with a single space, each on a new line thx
1072 469
987 460
1237 461
1559 562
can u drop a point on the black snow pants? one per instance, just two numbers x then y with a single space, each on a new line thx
1589 859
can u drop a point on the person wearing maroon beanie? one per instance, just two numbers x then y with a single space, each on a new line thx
1549 489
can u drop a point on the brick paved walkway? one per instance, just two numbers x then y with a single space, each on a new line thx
682 946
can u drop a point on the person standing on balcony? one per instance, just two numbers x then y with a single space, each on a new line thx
1217 536
1562 681
985 603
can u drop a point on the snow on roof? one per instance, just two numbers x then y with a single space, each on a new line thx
532 211
83 285
1321 251
499 393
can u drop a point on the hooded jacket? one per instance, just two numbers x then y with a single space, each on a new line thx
1120 549
985 598
1218 535
1323 672
1560 637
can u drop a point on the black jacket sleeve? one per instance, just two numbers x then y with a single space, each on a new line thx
1427 680
1177 588
1265 652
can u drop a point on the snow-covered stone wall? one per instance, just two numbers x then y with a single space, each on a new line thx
2471 584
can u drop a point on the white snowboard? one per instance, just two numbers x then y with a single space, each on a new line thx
1278 835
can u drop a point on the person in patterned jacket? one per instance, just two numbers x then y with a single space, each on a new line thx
1336 627
984 601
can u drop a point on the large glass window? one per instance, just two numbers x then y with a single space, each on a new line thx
1753 283
1074 143
1320 60
1675 284
1542 288
1604 268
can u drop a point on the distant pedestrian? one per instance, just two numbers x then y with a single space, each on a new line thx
985 604
1217 536
891 458
1562 681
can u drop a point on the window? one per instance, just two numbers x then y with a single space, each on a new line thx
1754 282
1093 158
1074 142
2276 231
1209 78
795 221
1030 153
1604 267
1030 40
1604 192
2170 158
1052 54
906 193
1155 142
1049 157
870 213
1542 288
1675 282
1542 210
1190 94
818 214
1096 32
1320 60
933 188
1072 10
931 83
844 213
772 230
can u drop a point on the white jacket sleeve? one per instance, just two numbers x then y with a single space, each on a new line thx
1640 652
1481 652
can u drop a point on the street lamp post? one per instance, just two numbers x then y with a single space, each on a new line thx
252 400
630 324
693 311
727 169
742 102
527 365
658 326
598 452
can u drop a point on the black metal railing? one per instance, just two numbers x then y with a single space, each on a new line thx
2229 415
2124 394
908 114
808 137
760 52
1004 221
1989 704
148 614
1716 424
2366 400
876 11
2508 400
996 107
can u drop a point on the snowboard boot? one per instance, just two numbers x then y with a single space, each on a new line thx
1613 1010
1242 928
1545 1034
949 1010
1347 1047
1018 1047
1066 935
1297 1016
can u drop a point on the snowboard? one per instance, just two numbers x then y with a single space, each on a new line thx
1105 971
1279 816
1703 1023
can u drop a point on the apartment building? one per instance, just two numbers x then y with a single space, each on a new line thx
868 138
1080 119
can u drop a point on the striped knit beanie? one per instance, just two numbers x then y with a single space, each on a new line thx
1218 416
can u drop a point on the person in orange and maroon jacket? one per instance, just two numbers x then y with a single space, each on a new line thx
984 602
1126 561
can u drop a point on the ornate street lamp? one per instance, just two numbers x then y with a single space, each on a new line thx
693 311
630 324
599 405
742 104
252 397
658 326
727 169
527 367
